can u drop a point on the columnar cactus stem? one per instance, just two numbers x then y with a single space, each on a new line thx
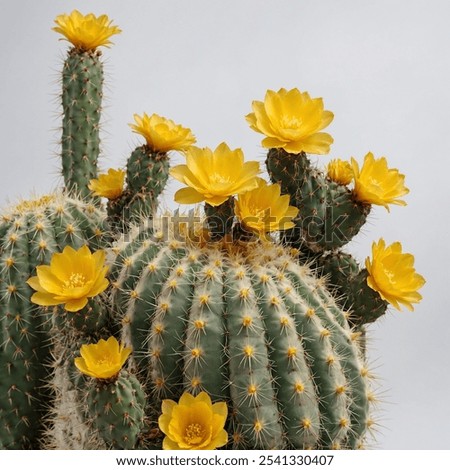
82 83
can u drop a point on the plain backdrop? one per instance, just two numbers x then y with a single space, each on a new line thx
382 67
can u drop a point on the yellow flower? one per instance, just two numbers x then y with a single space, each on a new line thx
292 120
393 276
109 185
72 277
340 171
264 210
194 423
102 360
162 134
214 176
86 32
375 183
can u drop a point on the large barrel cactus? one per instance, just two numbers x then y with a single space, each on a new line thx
250 326
240 325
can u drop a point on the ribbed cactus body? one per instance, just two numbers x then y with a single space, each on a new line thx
329 216
82 82
117 409
248 325
29 234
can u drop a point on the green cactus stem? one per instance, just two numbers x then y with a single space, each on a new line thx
329 216
219 219
363 303
116 407
82 82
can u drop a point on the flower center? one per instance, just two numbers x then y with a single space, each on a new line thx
193 433
106 361
261 213
75 280
375 185
218 179
290 122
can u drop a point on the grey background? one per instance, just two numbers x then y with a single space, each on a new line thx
381 66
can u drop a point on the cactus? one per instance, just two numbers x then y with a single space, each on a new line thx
30 232
147 170
242 328
329 214
82 93
116 408
253 328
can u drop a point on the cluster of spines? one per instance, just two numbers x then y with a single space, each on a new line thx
263 335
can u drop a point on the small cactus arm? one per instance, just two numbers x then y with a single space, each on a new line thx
82 93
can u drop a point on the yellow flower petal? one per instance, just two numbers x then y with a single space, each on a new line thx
292 120
392 275
193 423
85 32
318 144
220 409
168 444
72 277
75 305
214 176
34 283
188 196
220 440
179 172
81 365
375 183
47 280
43 299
